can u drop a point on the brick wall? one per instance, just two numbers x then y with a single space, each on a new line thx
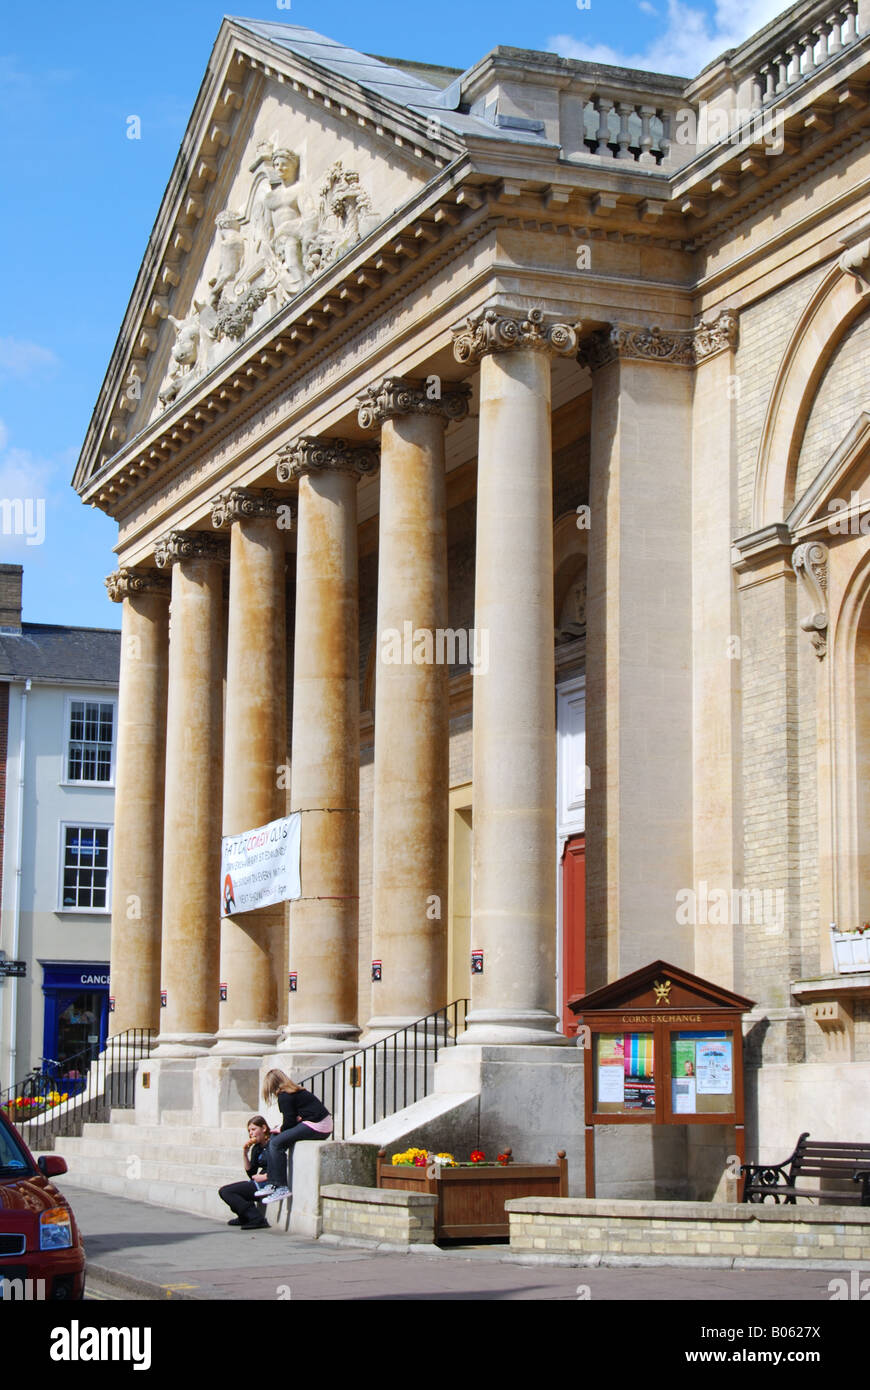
841 396
370 1215
625 1232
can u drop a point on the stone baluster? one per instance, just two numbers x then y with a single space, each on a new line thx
835 42
626 110
605 106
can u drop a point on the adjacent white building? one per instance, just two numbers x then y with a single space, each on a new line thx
58 723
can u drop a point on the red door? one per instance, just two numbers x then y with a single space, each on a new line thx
573 926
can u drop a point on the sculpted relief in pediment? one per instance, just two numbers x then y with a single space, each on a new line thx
290 229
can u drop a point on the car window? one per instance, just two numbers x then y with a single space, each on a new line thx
12 1157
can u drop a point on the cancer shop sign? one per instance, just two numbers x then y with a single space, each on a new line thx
261 866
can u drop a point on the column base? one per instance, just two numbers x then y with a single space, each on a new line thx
183 1045
497 1027
318 1037
244 1042
382 1025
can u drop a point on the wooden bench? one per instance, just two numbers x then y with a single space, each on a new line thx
826 1161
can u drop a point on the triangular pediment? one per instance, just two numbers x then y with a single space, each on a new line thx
838 499
659 986
287 164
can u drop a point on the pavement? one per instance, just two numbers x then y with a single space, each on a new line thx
147 1252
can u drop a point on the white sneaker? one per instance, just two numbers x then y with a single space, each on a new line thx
264 1191
277 1194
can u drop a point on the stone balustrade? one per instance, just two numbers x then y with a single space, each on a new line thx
825 32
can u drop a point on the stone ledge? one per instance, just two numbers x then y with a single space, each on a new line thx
711 1213
378 1196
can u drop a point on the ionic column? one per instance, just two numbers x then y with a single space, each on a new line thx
252 945
410 826
514 731
324 922
192 822
137 859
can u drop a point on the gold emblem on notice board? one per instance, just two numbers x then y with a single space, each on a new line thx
663 991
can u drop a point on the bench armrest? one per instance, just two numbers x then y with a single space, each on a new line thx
763 1179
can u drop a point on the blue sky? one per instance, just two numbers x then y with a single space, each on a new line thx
81 197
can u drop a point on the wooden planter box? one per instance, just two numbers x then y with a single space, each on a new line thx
471 1199
851 952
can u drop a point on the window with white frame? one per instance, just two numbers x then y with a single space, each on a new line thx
85 868
91 740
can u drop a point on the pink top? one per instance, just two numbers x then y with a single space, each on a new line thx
320 1126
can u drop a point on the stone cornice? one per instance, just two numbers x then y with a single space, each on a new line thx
491 330
394 396
240 503
311 455
130 583
189 545
677 347
759 549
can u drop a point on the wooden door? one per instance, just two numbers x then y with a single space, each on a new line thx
573 926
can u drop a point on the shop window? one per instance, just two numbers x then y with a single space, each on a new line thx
85 870
91 741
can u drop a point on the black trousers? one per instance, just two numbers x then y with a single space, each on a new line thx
239 1197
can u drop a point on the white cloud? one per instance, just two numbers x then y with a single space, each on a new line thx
689 40
20 357
646 7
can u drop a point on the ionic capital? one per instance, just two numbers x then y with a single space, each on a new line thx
674 346
128 583
240 503
189 545
395 396
492 331
311 455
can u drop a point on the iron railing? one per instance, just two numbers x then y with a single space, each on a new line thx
59 1097
384 1077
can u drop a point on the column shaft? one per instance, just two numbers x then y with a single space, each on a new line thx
253 948
324 922
137 862
192 827
411 715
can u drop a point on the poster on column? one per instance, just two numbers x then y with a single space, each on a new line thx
261 866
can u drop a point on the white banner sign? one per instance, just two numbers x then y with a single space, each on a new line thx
261 866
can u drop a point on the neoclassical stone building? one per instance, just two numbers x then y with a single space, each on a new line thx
474 440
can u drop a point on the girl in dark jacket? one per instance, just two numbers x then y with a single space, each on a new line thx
303 1116
239 1196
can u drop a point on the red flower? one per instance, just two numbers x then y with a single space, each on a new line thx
478 1156
421 1161
504 1159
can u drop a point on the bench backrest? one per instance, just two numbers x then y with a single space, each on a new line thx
821 1159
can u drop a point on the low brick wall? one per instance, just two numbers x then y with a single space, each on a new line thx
377 1216
605 1231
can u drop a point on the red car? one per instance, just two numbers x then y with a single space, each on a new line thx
39 1238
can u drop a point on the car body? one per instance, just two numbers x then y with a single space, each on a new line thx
39 1238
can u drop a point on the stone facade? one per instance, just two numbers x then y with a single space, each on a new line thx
478 325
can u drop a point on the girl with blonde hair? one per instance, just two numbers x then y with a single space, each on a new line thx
303 1116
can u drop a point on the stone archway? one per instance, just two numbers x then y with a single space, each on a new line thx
839 300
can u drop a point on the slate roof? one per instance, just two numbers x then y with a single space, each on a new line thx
49 652
396 84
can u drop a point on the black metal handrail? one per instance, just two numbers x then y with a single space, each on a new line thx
57 1098
376 1081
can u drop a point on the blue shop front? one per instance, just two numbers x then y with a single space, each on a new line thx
76 1014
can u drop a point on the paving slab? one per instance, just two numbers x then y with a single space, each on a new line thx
153 1252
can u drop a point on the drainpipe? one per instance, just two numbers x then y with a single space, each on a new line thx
16 891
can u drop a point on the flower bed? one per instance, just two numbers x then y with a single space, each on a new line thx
471 1195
